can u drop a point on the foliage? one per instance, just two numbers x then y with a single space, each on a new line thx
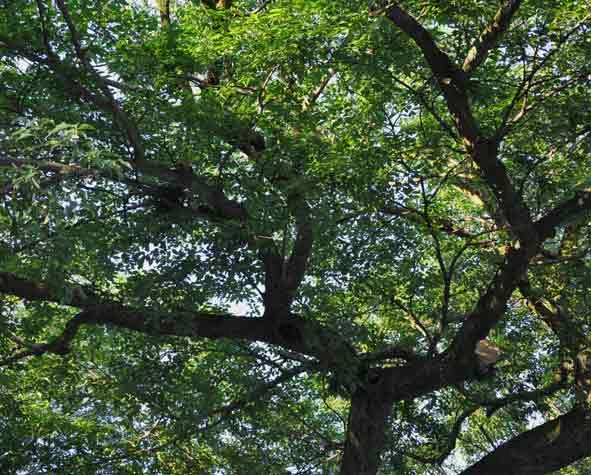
266 236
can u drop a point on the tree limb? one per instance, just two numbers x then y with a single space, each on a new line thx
484 151
490 35
451 79
544 449
108 101
561 214
293 333
59 345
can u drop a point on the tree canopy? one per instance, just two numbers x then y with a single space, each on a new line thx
295 237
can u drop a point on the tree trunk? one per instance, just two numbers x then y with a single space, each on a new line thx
366 431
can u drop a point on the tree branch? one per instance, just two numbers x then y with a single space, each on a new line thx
490 35
32 290
450 445
544 449
164 10
484 151
309 101
217 205
283 276
258 392
47 166
58 346
526 84
561 214
492 305
294 333
302 248
451 79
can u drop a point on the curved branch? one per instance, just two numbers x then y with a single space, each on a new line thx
106 100
544 449
58 346
484 151
451 442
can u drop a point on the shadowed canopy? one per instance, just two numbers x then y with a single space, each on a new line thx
295 237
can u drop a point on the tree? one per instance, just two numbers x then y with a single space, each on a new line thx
295 237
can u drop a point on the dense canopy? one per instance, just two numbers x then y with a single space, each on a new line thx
295 237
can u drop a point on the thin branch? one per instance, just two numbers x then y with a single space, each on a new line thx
58 346
414 320
444 125
309 102
256 394
527 83
261 7
413 215
48 166
450 444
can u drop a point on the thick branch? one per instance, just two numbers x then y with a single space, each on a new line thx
451 79
39 291
492 305
292 333
484 152
545 449
217 205
489 37
164 10
302 248
283 277
561 214
99 310
458 362
366 430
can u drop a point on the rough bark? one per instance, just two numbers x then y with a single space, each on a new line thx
366 429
